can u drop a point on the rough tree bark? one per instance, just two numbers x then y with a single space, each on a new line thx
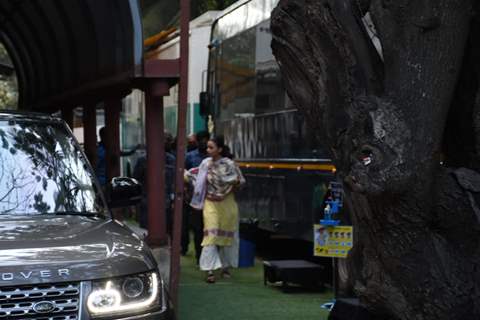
415 112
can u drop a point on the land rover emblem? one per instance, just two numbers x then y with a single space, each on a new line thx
43 307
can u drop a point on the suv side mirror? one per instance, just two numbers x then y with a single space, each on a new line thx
204 104
124 192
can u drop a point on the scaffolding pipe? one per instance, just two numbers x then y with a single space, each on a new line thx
181 141
113 107
90 133
157 229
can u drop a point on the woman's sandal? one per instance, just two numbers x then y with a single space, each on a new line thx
210 278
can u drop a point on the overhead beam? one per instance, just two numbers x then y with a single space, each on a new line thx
168 68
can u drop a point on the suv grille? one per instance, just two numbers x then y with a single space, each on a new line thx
20 302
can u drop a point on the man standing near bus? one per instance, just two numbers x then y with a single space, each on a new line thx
192 142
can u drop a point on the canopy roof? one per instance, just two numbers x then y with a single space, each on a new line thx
68 52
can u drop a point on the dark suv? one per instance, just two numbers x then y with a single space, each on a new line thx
62 255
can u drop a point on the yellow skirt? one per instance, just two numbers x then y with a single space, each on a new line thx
220 221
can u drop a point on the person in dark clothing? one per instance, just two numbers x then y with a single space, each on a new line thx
192 142
101 167
140 172
170 164
193 219
196 156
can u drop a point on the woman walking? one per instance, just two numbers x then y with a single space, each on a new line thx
217 179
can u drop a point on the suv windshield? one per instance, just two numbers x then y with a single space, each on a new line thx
42 171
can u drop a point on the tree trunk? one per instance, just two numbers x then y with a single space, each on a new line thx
403 125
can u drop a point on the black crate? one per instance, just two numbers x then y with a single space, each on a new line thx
299 272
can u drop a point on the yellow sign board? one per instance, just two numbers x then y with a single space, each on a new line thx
332 241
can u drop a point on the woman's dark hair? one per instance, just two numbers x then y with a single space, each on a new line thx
220 143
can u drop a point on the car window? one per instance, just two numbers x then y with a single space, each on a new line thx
42 171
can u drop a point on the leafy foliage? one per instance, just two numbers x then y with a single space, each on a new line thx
8 83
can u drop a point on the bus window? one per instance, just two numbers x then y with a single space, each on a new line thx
236 76
270 93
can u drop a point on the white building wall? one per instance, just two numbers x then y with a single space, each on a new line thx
200 30
198 61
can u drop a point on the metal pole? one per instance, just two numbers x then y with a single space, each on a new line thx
181 139
113 108
90 133
157 230
334 278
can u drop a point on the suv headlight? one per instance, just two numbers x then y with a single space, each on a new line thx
124 295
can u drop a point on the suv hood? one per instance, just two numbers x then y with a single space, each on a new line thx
44 249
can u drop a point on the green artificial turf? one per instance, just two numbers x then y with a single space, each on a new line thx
244 297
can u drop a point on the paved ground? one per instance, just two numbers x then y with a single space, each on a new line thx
244 297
